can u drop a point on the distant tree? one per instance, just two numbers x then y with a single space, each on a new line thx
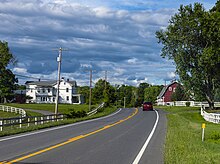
151 93
7 78
192 40
84 91
140 93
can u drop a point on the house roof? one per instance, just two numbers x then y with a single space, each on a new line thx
164 89
48 83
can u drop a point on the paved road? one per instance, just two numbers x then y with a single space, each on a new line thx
111 140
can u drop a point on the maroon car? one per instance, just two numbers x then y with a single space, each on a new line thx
147 106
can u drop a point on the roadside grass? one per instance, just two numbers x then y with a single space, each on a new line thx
8 114
16 130
62 108
184 137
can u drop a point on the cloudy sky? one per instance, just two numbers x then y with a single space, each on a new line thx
117 36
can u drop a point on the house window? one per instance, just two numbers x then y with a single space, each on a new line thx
170 88
67 98
43 90
67 89
48 90
31 90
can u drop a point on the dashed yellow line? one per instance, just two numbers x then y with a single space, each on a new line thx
68 141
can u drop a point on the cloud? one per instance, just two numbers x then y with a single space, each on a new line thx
114 36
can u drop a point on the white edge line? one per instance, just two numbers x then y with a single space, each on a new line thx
140 154
59 127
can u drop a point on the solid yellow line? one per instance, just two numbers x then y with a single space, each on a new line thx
70 140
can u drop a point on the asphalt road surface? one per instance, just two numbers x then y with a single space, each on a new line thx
116 139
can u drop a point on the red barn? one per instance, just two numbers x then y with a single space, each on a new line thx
166 93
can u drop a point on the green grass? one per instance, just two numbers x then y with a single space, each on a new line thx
183 140
8 114
62 108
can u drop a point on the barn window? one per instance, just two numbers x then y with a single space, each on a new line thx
170 88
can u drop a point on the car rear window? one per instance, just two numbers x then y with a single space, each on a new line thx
148 103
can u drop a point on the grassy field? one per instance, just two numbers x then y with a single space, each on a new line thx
8 114
183 141
62 108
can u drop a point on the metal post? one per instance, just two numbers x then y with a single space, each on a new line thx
59 58
124 101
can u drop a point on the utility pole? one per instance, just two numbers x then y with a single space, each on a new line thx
59 59
124 101
105 79
90 87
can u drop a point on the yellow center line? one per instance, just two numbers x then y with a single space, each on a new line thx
68 141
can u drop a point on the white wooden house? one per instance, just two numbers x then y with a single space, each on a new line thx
45 92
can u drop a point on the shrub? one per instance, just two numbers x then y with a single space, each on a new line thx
78 114
187 104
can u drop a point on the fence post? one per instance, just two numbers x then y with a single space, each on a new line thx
1 128
20 122
35 120
28 122
42 120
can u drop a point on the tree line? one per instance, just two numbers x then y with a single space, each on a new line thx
119 94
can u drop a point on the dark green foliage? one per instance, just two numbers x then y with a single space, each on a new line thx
140 93
76 114
192 40
7 78
187 104
179 94
151 93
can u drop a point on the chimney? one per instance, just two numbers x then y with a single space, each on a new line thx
68 79
38 79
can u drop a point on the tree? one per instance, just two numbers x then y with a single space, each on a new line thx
7 78
192 40
140 93
151 93
84 91
179 94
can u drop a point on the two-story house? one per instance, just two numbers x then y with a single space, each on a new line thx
45 92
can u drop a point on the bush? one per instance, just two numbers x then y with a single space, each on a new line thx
187 104
78 114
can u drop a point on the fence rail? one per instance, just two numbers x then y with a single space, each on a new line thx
191 103
20 122
95 110
20 111
210 117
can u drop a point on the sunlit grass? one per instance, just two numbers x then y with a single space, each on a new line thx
184 137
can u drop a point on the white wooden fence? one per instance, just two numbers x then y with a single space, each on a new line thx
210 117
20 111
95 110
20 122
192 103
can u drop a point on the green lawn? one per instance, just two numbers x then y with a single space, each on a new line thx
183 140
8 114
62 108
